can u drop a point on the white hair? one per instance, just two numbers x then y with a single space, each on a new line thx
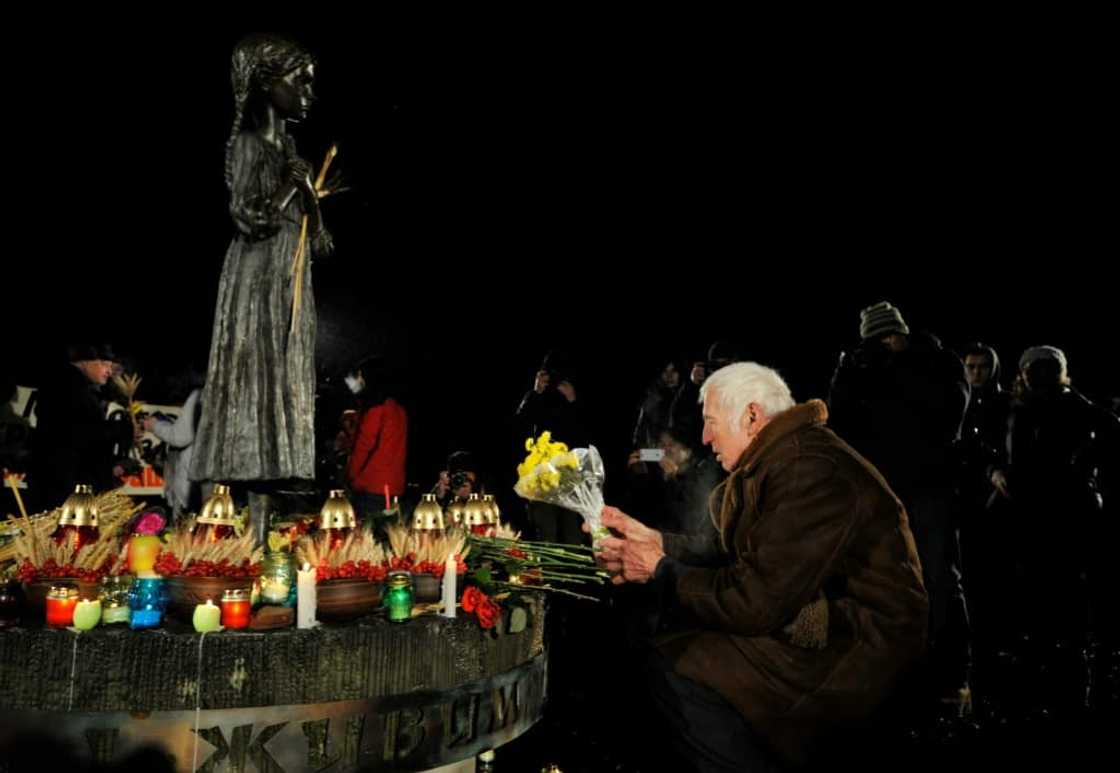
738 385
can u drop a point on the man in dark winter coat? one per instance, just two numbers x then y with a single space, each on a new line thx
899 399
74 442
1060 449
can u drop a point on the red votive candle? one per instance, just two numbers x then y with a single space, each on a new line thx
61 601
235 608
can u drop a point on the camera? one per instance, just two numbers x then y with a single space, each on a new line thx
460 478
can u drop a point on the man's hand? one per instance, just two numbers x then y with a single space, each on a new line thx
634 555
443 484
636 464
669 467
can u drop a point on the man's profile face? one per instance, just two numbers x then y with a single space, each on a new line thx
96 371
699 373
728 438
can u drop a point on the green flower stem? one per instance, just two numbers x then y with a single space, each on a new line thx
514 561
570 577
553 547
532 557
524 588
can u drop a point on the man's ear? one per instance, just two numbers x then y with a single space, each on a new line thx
750 415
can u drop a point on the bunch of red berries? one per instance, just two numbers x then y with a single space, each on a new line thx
405 564
351 570
167 564
223 568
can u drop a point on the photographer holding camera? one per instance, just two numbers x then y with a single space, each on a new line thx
460 479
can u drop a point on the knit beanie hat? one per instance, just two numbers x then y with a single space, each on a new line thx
880 320
1036 353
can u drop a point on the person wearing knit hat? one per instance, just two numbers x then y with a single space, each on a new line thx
880 321
1052 353
899 399
1052 479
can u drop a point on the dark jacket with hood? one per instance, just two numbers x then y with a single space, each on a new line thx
984 432
902 410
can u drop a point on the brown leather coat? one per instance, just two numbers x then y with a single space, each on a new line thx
820 605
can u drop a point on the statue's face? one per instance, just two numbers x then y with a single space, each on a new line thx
292 94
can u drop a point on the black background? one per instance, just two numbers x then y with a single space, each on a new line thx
627 189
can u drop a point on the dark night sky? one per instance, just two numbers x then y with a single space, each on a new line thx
626 194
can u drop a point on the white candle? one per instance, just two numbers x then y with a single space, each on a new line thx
305 597
449 567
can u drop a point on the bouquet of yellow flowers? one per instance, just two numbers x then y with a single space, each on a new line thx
572 479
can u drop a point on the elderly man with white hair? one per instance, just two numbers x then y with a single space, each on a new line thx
802 606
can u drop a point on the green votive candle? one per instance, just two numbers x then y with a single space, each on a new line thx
207 617
398 598
87 614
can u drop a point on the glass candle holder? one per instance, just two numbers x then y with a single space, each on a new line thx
398 597
235 609
61 601
278 577
147 598
114 599
11 604
143 550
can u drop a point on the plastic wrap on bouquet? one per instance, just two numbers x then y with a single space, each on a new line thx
570 479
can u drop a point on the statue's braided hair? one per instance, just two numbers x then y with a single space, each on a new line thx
257 61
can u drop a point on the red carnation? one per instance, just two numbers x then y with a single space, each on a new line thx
488 613
472 598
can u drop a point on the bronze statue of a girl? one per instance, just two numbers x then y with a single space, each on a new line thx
257 422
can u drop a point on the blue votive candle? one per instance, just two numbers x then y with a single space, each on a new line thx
147 598
145 618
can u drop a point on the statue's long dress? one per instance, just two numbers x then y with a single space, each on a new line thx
258 403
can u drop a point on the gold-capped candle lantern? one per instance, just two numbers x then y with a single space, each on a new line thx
219 515
337 516
77 520
428 515
493 514
454 514
337 512
474 513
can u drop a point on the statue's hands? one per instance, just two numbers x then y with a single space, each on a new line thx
299 171
299 174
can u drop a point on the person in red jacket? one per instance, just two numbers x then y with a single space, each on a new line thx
377 460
